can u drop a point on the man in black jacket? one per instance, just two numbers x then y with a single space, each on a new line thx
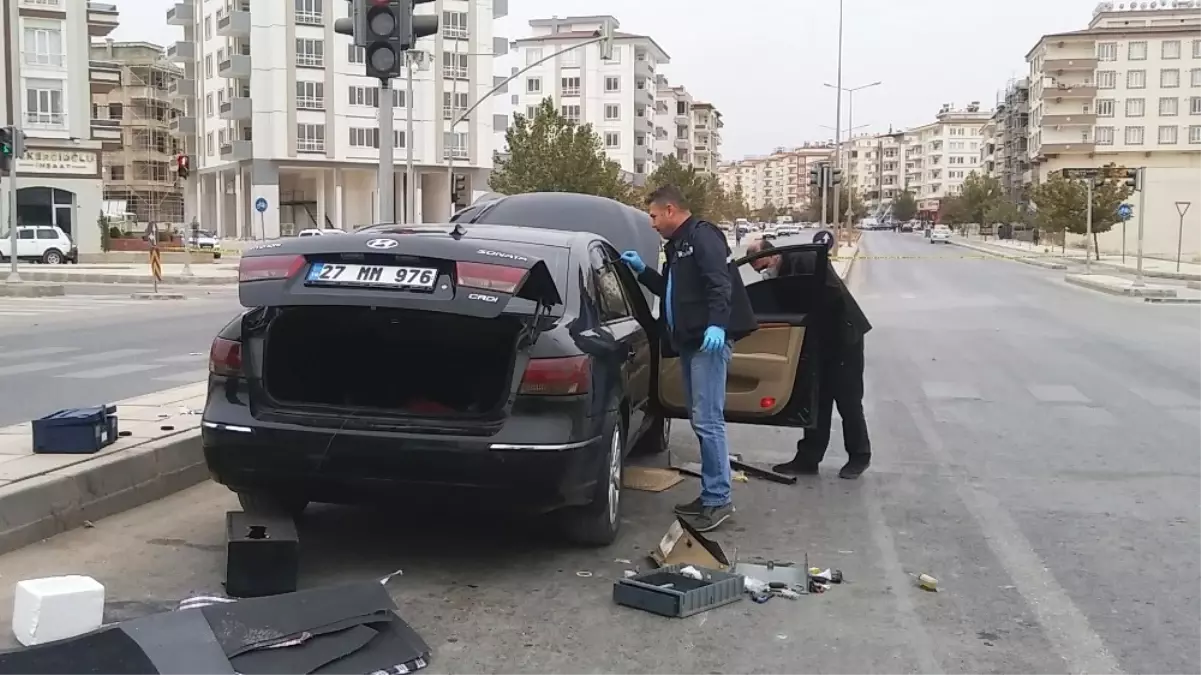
841 373
705 310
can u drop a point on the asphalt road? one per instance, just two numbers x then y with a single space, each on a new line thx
98 345
1035 449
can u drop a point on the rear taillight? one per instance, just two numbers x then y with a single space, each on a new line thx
498 278
258 268
557 377
225 358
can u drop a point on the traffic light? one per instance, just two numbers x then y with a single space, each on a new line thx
183 166
415 27
835 176
385 53
460 190
7 151
815 175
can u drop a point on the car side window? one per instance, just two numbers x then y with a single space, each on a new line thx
24 234
47 233
609 293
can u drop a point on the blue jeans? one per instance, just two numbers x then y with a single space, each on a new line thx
705 386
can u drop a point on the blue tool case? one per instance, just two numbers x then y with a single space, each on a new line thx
75 431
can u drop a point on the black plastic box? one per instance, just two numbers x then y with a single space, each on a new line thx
262 554
75 431
667 592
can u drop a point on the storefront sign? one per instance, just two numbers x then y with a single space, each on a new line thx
70 162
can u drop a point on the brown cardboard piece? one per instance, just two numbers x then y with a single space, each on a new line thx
683 545
649 479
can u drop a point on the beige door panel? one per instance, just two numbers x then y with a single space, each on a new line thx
764 366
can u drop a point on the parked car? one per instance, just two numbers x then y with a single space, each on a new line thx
520 364
316 232
940 233
41 243
205 241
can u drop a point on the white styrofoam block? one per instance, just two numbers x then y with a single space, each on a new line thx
56 608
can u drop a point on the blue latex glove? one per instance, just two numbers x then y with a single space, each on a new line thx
632 259
715 339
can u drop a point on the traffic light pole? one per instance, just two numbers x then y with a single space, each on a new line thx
825 183
410 195
1088 227
386 179
14 276
1141 184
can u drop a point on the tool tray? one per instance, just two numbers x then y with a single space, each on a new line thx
667 592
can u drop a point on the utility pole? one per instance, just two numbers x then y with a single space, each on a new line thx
1141 185
385 179
12 148
449 139
825 183
850 91
1090 184
410 211
838 123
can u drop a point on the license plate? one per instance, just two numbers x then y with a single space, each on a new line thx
384 276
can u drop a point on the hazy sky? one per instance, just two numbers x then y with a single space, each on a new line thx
763 62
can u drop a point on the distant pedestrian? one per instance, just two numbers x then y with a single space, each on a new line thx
1035 236
705 310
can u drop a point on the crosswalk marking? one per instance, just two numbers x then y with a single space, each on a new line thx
25 368
40 351
111 371
110 355
190 376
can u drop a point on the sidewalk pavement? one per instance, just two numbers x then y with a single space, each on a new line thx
1028 258
1152 267
173 274
158 452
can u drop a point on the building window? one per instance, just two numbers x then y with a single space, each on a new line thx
1168 135
1136 107
208 27
570 86
1169 78
533 85
398 139
1169 107
208 66
309 12
455 144
364 96
612 83
44 103
220 55
1105 107
310 96
571 113
612 140
310 138
1136 79
533 55
570 59
452 111
1104 135
1134 135
1107 79
454 66
1197 49
1170 49
454 25
208 105
1137 51
220 137
356 54
1194 134
398 98
364 138
310 53
1107 51
612 112
44 48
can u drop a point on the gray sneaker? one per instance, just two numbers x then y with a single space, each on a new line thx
692 508
710 517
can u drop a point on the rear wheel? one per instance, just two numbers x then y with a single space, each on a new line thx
53 257
597 524
656 439
275 503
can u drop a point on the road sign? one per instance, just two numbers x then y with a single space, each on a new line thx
260 204
1182 208
1125 211
156 266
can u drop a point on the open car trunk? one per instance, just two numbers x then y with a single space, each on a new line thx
382 362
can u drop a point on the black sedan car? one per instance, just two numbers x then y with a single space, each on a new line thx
518 364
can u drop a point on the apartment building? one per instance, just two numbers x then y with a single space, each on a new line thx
706 136
139 167
45 51
874 167
1126 90
306 144
940 155
673 122
780 179
616 96
1004 149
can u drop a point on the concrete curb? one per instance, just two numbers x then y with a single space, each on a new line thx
40 507
158 296
139 279
1195 285
1126 292
27 290
851 264
1025 260
1154 274
1174 301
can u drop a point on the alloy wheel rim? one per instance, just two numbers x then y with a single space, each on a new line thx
666 432
614 477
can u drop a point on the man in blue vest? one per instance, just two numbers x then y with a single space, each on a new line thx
705 310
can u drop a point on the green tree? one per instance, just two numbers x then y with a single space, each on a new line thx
953 211
767 213
105 235
549 153
738 207
904 208
1005 212
979 194
695 186
1063 203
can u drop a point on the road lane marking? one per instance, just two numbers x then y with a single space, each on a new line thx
950 390
19 313
190 376
40 351
1057 393
35 367
1165 398
111 371
114 354
185 358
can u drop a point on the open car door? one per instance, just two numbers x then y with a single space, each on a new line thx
773 375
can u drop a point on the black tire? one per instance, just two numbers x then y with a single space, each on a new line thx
272 503
53 257
656 438
598 523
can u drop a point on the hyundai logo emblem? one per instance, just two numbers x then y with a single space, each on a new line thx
383 243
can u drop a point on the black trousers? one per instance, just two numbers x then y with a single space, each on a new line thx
841 384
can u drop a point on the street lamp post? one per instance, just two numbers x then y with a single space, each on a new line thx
850 91
838 129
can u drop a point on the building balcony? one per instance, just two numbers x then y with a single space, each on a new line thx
182 14
643 68
237 150
182 52
144 93
683 119
1049 149
182 89
1051 93
103 76
235 109
235 23
102 18
183 124
106 130
1075 119
680 142
234 67
1063 65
